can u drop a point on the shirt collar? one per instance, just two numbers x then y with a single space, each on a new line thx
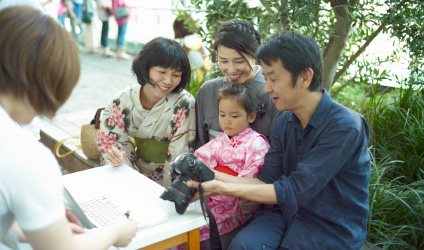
321 111
237 137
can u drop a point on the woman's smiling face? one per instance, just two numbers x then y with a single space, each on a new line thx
236 68
164 81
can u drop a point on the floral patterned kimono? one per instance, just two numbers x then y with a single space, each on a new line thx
171 124
244 154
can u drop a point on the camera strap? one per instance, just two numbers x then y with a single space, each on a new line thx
215 241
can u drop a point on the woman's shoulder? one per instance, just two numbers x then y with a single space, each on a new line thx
258 79
212 84
183 95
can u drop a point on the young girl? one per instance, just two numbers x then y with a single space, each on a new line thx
235 47
157 113
238 151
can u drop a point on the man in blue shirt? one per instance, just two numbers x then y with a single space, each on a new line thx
318 168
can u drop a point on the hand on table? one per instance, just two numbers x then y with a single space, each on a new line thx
74 222
115 157
125 228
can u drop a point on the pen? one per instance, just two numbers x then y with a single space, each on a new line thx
127 213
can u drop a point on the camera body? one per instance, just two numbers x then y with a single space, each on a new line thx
185 167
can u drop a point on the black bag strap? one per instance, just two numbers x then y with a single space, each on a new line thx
215 241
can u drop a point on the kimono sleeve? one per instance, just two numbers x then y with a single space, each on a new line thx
255 157
207 154
113 130
183 132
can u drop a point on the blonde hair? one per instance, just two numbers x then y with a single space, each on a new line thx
38 59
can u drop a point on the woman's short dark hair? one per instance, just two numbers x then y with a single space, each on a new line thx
39 59
244 95
165 53
239 35
296 52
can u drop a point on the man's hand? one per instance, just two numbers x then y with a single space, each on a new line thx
248 207
210 188
115 157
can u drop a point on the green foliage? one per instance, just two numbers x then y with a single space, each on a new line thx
403 19
407 19
396 210
397 123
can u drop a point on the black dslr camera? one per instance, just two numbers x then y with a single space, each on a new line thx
185 167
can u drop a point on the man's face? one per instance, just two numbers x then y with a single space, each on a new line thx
280 88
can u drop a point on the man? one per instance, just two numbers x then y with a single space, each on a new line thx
318 168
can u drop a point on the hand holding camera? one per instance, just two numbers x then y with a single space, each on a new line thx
186 167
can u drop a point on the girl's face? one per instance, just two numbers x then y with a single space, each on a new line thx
233 119
234 66
164 81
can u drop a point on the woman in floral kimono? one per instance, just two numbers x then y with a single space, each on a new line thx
146 126
238 151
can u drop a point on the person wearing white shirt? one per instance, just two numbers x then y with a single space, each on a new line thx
39 68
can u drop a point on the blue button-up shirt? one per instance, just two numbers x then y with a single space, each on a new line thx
321 175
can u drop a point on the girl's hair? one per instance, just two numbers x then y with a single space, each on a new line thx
165 53
244 95
39 59
239 35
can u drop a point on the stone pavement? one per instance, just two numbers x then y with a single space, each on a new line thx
100 79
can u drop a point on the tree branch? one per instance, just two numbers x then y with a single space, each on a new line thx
358 52
267 7
283 22
343 86
337 42
317 2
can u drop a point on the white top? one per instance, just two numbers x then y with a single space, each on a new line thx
30 180
32 3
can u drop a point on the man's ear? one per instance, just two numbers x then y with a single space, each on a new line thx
251 117
306 77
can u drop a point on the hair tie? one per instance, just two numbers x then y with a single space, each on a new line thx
261 106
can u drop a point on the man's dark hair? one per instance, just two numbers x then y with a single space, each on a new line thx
296 52
165 53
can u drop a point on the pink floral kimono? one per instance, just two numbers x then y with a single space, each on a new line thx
243 154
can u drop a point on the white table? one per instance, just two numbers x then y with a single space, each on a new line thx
121 183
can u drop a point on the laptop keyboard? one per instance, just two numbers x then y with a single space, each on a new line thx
101 210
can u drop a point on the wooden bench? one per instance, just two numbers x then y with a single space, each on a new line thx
65 126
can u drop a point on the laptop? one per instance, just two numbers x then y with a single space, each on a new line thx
99 211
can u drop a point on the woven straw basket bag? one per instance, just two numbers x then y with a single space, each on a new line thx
87 141
89 134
